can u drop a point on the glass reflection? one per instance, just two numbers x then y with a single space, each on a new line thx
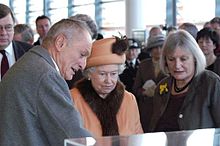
90 141
154 139
201 137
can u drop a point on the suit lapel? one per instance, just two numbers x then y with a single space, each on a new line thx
18 51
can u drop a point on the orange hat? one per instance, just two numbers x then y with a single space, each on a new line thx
102 53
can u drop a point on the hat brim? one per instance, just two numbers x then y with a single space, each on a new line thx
105 60
150 47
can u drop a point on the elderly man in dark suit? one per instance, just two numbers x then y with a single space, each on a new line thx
10 50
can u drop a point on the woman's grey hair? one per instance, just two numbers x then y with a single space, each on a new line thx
90 23
190 28
89 70
26 32
182 39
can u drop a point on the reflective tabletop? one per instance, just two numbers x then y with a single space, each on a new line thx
202 137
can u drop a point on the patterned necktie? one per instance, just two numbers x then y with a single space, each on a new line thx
4 63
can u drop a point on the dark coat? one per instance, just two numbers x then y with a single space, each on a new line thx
145 72
215 67
128 75
37 42
20 48
200 108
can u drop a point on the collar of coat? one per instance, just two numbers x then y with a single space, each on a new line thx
105 109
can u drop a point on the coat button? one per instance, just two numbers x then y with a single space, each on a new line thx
180 116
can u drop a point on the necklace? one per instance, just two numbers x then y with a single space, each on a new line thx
177 89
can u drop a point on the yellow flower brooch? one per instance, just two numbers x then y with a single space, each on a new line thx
163 88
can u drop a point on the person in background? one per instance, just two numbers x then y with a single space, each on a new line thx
35 94
106 107
89 21
154 31
188 98
94 33
43 24
207 24
131 64
23 33
189 27
215 25
208 42
171 29
10 51
148 75
91 24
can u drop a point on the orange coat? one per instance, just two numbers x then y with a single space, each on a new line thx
128 118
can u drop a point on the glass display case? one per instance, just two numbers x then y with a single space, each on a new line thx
200 137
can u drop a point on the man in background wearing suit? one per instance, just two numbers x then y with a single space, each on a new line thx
43 24
131 64
12 49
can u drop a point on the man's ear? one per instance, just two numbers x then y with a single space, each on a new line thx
60 42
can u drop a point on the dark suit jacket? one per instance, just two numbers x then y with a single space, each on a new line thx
128 75
20 48
145 72
215 67
37 42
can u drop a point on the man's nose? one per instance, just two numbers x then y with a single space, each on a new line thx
82 64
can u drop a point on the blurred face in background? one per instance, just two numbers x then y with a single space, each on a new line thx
207 46
6 31
216 27
132 54
155 31
17 37
156 53
104 79
43 26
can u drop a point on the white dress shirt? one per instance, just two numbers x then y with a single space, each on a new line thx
56 66
10 56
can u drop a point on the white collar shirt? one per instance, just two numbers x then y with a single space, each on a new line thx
56 66
10 56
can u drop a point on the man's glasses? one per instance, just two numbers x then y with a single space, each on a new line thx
8 27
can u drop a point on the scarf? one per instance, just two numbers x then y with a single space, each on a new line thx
105 109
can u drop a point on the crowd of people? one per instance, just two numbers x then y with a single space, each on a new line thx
72 82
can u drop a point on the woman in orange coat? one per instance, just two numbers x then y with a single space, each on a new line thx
105 106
